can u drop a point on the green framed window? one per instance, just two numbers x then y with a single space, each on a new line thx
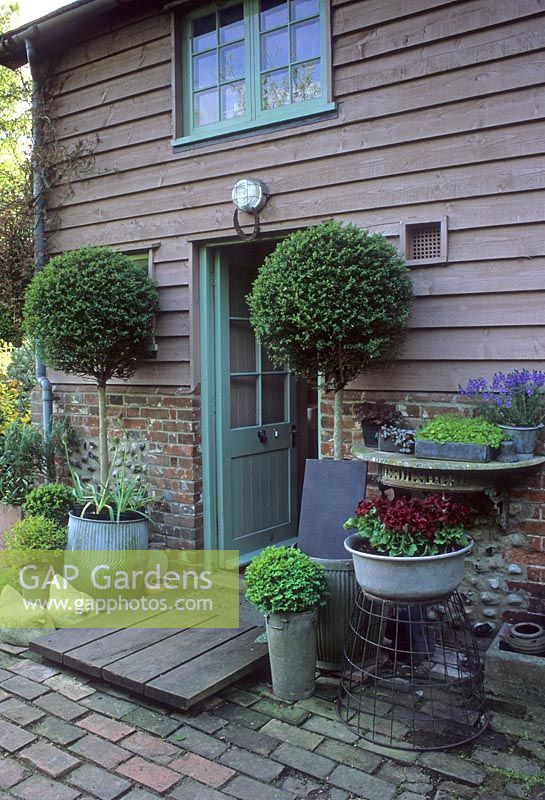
249 63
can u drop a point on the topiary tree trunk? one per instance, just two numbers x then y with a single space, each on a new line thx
103 458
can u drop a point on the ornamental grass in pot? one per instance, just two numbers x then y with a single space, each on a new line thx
288 587
515 402
410 550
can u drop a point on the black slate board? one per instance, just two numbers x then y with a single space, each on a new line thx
331 492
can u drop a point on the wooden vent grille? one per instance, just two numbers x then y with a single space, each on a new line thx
425 242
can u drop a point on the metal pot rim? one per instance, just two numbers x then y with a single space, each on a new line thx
406 559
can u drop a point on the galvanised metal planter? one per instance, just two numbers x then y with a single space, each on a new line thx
524 438
113 540
333 616
453 451
420 579
93 533
292 653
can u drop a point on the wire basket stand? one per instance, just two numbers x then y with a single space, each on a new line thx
412 676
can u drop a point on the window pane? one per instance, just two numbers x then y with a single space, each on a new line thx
231 24
267 365
304 8
232 62
273 13
273 402
243 402
306 82
306 40
240 284
205 70
275 49
241 346
275 89
206 107
233 100
204 33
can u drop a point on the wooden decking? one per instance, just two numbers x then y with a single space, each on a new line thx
177 667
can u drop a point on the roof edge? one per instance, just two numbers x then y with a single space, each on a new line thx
12 43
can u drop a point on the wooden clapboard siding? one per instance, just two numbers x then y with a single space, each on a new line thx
446 373
440 111
500 145
476 344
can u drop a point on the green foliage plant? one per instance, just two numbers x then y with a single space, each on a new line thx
29 539
90 313
22 459
282 579
50 500
331 301
121 492
448 428
36 533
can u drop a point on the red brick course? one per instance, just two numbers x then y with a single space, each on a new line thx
166 422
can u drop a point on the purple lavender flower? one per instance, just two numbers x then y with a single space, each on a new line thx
513 398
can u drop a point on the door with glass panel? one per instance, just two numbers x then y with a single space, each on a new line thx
256 426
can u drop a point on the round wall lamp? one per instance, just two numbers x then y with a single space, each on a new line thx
249 195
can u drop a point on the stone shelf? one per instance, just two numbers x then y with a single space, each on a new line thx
403 471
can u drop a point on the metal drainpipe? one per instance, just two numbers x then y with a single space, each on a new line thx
38 190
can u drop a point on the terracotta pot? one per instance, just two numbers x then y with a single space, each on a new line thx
9 515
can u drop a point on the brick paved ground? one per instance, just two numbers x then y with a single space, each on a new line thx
63 737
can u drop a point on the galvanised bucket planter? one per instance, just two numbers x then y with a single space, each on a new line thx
524 438
420 579
292 653
116 538
93 533
333 616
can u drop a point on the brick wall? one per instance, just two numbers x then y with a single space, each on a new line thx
163 431
506 571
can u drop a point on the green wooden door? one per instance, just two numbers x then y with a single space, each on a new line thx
255 418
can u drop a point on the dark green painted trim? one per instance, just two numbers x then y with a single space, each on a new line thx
208 425
255 117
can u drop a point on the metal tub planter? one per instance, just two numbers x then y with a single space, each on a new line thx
422 579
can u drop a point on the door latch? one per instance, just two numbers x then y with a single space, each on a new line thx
262 435
293 435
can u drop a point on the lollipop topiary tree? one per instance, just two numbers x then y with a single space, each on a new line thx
90 313
330 302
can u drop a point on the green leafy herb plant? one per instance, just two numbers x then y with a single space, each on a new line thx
282 579
448 428
36 533
50 500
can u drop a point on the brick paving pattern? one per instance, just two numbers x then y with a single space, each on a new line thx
64 737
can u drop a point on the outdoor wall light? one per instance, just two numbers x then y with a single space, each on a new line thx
249 195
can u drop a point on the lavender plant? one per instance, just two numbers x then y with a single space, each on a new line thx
516 398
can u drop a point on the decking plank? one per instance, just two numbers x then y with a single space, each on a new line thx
191 682
139 668
55 644
92 657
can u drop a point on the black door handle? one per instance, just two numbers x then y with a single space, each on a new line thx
262 435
